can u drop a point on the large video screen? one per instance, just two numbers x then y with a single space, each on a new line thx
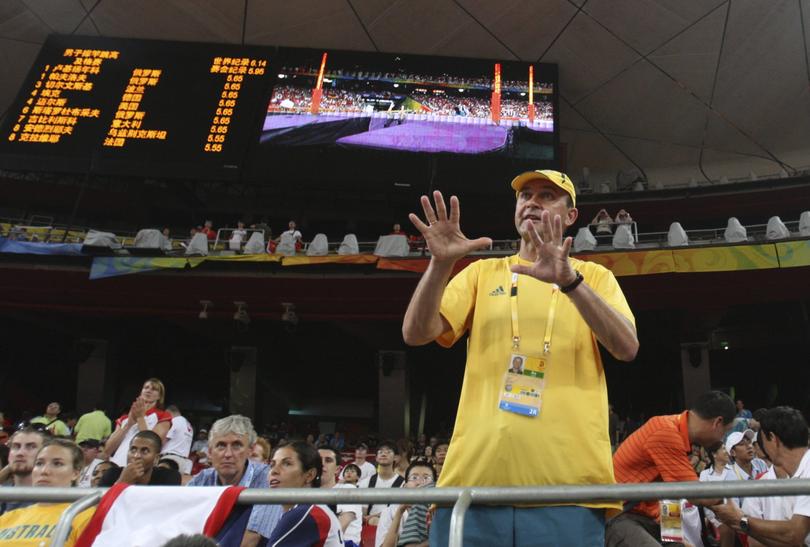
137 107
412 103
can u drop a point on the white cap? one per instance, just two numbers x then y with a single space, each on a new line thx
736 438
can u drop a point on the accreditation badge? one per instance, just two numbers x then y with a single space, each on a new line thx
523 384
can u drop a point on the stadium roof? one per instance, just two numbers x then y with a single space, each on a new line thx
676 89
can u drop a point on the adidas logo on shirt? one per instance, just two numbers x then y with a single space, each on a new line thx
497 292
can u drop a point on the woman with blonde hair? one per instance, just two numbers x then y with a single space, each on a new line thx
58 464
145 413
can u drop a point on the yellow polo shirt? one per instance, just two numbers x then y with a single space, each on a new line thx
568 443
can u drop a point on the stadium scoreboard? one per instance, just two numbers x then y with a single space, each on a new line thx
137 107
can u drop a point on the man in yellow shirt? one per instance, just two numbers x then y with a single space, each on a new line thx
551 311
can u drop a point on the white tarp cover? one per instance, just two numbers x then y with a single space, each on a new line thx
349 245
735 232
584 241
319 246
392 245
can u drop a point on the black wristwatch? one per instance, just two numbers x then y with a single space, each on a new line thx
744 527
573 285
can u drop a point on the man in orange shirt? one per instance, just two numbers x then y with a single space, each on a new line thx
659 451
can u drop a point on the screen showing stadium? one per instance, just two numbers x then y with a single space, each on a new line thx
412 103
137 107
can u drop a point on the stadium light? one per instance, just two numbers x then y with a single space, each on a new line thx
396 85
282 76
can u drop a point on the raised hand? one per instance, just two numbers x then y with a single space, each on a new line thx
442 233
137 410
551 252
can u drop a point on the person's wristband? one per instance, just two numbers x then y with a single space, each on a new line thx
573 285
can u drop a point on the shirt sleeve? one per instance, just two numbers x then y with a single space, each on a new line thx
458 303
386 518
667 451
263 518
604 283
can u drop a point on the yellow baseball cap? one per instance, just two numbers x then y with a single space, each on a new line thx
560 179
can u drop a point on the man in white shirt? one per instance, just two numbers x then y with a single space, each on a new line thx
783 436
385 477
178 441
367 469
349 516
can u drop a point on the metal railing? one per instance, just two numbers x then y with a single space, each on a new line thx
459 498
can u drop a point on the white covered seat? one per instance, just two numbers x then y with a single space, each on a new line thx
623 238
392 245
235 243
198 245
255 244
735 232
286 246
349 245
319 246
584 241
804 224
776 229
677 235
101 239
149 239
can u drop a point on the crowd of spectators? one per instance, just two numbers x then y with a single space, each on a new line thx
287 98
153 444
481 82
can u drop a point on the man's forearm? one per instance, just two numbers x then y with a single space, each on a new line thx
611 328
423 322
775 532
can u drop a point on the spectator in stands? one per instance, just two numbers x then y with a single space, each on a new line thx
200 446
440 450
53 424
91 449
178 440
351 474
743 412
229 444
146 413
719 467
293 233
208 230
403 458
740 447
93 425
784 437
397 230
350 516
402 524
623 217
23 448
239 235
298 465
166 243
337 441
603 223
57 464
595 309
261 451
384 478
658 451
99 471
141 468
367 469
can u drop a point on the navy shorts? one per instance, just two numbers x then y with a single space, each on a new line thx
505 526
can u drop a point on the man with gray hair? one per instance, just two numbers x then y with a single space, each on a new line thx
230 442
